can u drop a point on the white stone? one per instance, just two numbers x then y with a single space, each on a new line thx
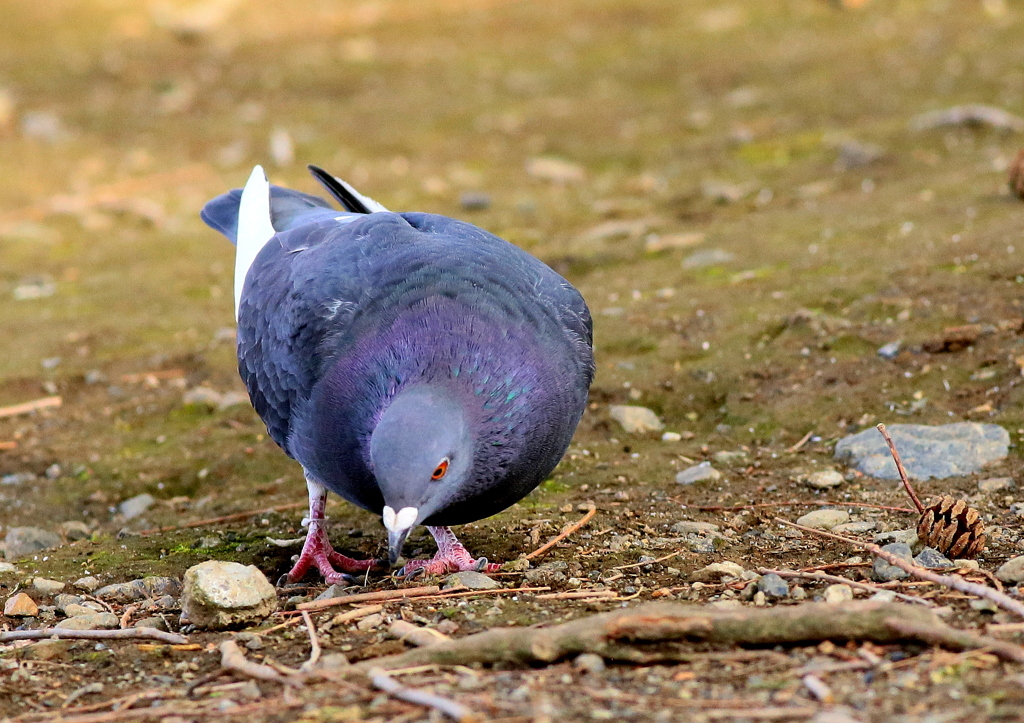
95 621
825 479
46 587
838 593
717 571
1012 571
636 420
824 519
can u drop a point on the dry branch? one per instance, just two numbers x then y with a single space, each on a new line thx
123 634
951 581
900 468
563 534
661 631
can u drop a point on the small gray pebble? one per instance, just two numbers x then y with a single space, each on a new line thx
883 571
773 586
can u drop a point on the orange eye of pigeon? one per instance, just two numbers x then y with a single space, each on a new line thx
441 471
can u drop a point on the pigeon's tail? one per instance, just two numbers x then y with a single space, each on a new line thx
347 196
253 227
288 209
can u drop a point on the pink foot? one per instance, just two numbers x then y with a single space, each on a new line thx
317 552
451 556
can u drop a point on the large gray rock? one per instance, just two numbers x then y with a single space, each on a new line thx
949 450
221 594
21 541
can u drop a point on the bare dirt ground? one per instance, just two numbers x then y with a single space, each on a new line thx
774 136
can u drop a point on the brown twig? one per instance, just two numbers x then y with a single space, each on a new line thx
330 602
314 643
415 634
449 707
25 407
225 518
347 617
824 577
562 535
798 503
7 446
803 440
126 616
899 468
471 593
124 634
232 658
579 595
953 582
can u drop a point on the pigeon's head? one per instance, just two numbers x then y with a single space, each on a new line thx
422 452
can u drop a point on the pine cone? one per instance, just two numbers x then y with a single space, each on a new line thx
952 528
1017 175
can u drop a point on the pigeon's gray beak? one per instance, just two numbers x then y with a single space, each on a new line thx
399 526
395 542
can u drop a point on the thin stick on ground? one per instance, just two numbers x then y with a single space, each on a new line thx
951 581
899 468
825 577
25 407
404 592
798 503
563 534
449 707
803 440
225 518
649 562
314 643
123 634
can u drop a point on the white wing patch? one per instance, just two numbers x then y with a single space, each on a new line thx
254 227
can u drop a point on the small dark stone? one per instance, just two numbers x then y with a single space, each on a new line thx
475 201
930 557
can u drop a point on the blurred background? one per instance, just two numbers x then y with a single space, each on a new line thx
754 196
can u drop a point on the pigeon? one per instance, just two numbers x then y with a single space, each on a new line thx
416 365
